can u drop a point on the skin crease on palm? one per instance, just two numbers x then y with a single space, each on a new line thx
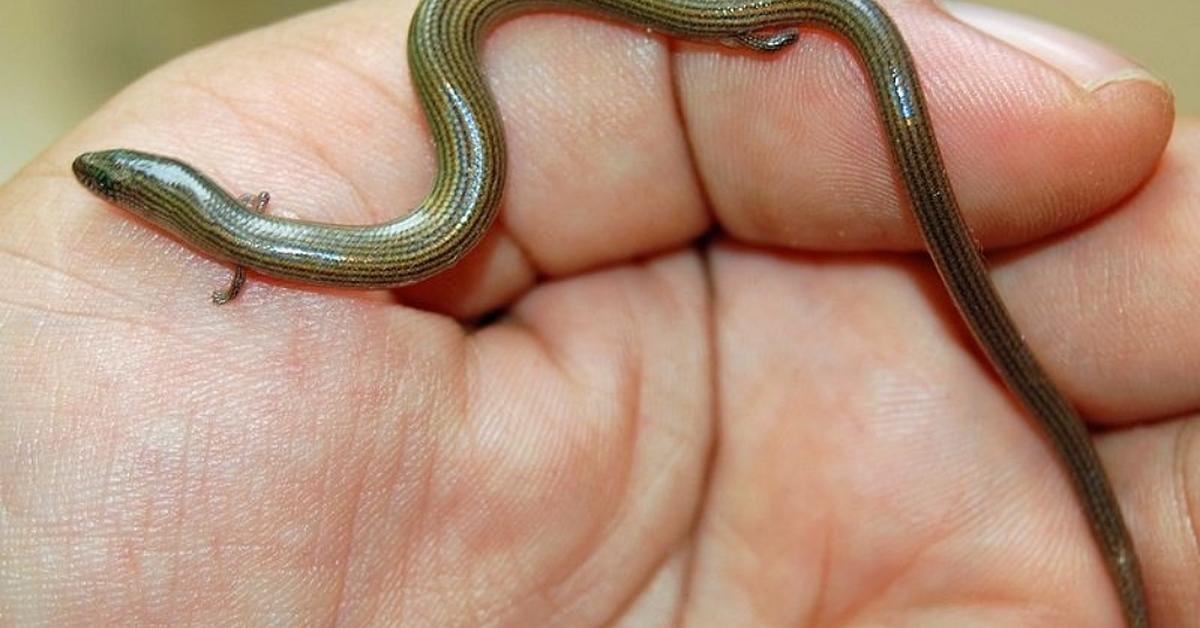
782 425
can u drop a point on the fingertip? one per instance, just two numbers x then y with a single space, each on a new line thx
1088 62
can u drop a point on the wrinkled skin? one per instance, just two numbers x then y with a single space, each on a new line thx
781 425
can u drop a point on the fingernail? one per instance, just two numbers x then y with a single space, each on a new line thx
1089 63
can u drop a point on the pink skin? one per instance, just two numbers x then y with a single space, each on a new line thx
786 425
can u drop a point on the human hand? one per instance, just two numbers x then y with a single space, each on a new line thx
782 425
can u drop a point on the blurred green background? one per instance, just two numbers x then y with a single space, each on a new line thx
60 59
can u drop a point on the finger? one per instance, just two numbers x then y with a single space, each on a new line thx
601 167
791 150
331 126
1111 307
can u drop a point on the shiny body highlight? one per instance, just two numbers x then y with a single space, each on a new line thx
443 45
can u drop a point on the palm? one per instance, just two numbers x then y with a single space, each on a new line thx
723 433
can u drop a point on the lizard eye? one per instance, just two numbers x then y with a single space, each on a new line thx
96 174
